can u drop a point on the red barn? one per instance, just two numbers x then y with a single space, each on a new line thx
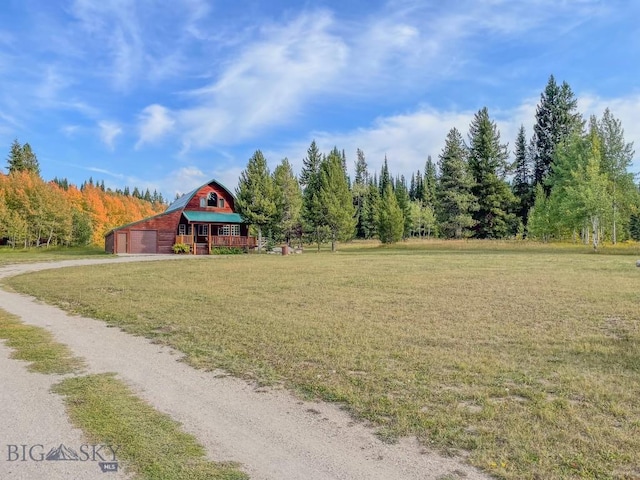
203 218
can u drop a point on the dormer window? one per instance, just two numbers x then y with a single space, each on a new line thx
212 199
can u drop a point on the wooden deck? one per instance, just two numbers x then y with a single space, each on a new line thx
216 241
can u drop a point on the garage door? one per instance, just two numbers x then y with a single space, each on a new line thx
122 243
144 241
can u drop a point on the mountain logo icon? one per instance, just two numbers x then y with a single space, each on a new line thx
62 453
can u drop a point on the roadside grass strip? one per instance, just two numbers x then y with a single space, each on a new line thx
10 255
37 346
151 444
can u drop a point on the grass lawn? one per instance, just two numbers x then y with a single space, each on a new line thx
43 254
151 443
37 346
525 356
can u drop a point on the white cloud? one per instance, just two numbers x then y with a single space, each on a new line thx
406 139
268 83
108 133
155 122
183 180
69 130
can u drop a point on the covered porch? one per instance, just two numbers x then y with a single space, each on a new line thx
203 231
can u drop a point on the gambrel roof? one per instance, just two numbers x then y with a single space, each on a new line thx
184 199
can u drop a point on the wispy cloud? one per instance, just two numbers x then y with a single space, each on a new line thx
109 131
267 83
155 122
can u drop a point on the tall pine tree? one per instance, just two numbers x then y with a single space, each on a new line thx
522 177
456 201
556 118
488 166
311 206
390 218
288 199
360 193
255 196
22 158
336 203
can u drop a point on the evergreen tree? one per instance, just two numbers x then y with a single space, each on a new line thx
412 188
311 207
337 210
556 119
419 190
488 167
15 162
390 218
255 194
385 178
402 197
522 177
456 201
288 197
430 182
360 193
21 158
310 164
370 211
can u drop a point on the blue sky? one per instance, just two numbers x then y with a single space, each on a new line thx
168 95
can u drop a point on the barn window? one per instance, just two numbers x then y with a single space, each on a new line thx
235 230
223 230
203 230
212 199
221 203
182 229
203 202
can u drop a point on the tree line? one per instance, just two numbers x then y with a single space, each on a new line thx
35 212
569 181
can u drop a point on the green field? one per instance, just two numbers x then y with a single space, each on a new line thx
10 255
524 357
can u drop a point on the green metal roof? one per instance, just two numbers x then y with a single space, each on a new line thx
213 217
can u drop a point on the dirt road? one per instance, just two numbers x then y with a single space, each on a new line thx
273 434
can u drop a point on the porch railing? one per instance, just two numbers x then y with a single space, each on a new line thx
232 241
219 241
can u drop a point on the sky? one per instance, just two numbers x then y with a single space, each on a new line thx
168 95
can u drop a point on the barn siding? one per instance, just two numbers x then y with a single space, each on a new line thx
165 224
166 241
108 243
194 203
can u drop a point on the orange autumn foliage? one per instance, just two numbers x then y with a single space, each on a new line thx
35 212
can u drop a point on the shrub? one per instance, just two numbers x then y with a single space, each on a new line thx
181 248
226 250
